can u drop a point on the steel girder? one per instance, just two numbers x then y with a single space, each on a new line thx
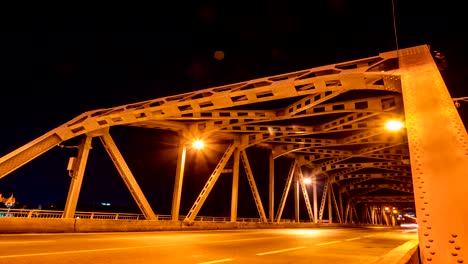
329 119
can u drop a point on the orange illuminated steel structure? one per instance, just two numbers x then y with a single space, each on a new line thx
329 122
8 202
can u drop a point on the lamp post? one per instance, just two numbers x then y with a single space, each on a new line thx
176 196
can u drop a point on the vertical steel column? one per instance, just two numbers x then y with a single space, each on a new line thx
346 214
380 219
179 179
384 219
438 145
340 197
330 207
296 195
367 218
375 219
235 184
314 194
353 209
77 178
271 187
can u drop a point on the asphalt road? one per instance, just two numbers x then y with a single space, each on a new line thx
324 245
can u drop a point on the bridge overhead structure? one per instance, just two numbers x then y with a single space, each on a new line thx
330 122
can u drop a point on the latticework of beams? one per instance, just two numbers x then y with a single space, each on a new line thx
330 119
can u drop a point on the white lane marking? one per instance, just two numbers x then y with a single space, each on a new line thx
349 239
278 251
117 238
150 237
68 252
369 236
332 242
126 248
27 242
142 237
215 261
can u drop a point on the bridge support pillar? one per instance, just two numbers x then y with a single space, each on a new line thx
271 187
438 145
77 174
179 178
330 207
314 194
296 194
235 184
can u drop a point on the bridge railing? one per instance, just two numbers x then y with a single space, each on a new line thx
37 213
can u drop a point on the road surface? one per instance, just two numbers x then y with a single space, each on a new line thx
253 246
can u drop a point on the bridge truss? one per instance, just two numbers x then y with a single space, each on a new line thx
329 122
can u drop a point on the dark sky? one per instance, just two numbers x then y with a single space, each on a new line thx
57 65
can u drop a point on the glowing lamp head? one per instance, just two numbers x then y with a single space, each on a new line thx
198 144
394 125
307 180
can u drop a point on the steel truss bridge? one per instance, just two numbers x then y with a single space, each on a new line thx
330 123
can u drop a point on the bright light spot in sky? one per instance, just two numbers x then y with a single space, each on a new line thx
219 55
394 125
307 180
198 144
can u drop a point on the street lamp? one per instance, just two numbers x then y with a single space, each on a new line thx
394 125
198 144
307 180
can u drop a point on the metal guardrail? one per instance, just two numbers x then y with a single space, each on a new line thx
36 213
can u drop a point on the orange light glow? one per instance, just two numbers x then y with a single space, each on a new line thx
394 125
198 144
307 181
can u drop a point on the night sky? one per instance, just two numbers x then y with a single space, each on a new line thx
57 65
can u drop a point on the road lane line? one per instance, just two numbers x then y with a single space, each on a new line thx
27 242
215 261
126 248
332 242
349 239
128 238
215 241
278 251
68 252
140 237
369 236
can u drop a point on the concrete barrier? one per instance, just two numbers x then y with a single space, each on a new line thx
86 225
36 225
408 253
61 225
